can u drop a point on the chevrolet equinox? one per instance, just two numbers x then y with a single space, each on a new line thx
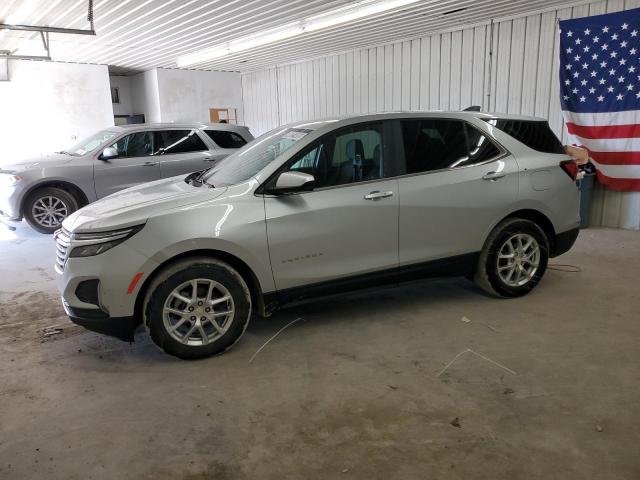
317 208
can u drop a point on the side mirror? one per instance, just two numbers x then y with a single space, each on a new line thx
293 182
108 153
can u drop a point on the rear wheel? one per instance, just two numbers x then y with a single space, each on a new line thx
513 259
46 208
198 308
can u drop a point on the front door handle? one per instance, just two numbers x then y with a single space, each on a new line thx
209 159
150 164
377 195
493 175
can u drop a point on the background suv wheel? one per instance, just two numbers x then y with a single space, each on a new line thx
46 208
513 259
197 308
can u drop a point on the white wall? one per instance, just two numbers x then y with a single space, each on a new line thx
168 95
514 70
47 106
123 84
187 95
145 96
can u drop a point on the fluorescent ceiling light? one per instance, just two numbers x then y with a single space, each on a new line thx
349 13
244 43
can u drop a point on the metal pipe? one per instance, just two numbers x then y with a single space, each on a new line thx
25 57
30 28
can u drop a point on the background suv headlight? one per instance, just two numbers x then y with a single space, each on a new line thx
9 180
90 244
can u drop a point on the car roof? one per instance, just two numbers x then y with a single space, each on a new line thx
201 125
349 119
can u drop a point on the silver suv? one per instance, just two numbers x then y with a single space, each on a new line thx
46 190
316 208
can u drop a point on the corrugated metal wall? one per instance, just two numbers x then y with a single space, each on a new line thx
511 67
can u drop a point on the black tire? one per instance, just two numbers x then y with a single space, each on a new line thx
50 196
176 275
487 275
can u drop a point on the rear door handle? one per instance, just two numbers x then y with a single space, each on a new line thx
210 159
150 164
376 195
493 175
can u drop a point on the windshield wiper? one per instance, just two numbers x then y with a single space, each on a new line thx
196 179
193 178
204 182
200 179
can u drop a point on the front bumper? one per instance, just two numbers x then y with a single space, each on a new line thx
100 290
98 321
10 203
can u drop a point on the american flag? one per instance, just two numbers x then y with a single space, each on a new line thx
600 92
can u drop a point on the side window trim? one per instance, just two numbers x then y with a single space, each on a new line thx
400 152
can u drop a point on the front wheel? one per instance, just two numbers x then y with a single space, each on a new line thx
197 308
513 259
46 208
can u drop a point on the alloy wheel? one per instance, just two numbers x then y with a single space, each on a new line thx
518 259
49 211
198 312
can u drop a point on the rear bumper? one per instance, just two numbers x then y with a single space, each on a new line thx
98 321
564 241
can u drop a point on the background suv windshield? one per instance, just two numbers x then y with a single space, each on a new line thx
247 162
89 144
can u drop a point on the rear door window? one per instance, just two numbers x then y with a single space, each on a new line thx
435 144
536 135
178 141
225 139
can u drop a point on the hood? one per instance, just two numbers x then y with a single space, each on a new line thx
135 205
38 162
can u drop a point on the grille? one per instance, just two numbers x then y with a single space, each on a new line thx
63 240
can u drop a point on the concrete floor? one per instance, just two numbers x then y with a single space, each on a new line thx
351 391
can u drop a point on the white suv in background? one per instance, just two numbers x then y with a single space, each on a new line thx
48 189
316 208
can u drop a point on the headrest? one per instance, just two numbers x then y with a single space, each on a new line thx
355 147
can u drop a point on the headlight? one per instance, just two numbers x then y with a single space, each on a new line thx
90 244
9 180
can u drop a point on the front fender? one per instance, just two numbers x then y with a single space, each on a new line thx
237 229
32 184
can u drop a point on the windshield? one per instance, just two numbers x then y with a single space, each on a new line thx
248 161
89 144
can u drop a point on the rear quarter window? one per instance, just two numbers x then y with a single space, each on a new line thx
536 135
226 139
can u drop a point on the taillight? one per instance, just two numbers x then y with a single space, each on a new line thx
570 167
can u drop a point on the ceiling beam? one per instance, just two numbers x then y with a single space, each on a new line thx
33 28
